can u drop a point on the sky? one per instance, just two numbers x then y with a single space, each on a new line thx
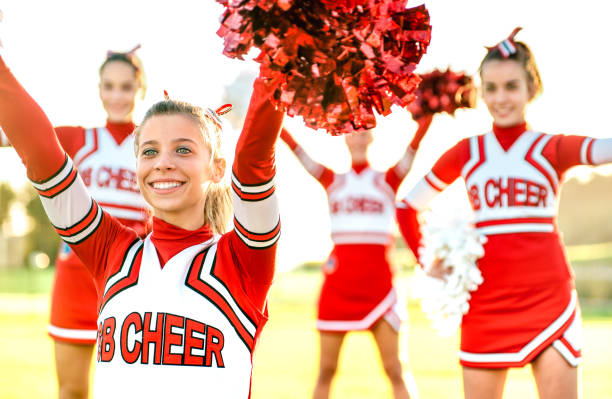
55 48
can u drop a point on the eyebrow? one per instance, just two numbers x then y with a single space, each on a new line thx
509 81
178 140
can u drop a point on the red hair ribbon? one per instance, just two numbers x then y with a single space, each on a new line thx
224 109
507 47
214 115
166 96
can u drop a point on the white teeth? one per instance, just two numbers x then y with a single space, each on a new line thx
165 185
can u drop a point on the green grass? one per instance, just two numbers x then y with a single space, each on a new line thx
287 355
26 280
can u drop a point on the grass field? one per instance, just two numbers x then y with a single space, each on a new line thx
286 358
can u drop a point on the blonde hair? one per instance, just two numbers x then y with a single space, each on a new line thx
218 203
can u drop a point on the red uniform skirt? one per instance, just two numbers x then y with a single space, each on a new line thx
357 290
74 301
524 305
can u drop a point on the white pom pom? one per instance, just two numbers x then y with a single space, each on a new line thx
458 245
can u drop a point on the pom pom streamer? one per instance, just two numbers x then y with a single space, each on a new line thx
443 91
333 62
458 245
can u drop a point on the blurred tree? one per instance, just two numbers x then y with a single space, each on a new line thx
7 195
43 236
584 210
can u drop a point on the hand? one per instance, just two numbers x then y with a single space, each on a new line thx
423 122
438 270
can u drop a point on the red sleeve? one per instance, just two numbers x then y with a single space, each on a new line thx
28 129
256 220
393 179
288 139
254 160
72 138
564 152
448 167
103 251
407 218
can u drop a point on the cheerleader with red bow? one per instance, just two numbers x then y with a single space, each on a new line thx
181 310
526 310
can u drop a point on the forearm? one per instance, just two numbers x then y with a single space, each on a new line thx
324 175
256 212
28 129
254 160
407 218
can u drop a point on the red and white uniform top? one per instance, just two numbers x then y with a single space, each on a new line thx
107 166
180 311
512 178
361 201
361 208
513 191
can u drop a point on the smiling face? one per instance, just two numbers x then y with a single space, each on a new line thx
506 91
118 88
174 168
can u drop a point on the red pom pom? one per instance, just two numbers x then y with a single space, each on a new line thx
443 91
334 62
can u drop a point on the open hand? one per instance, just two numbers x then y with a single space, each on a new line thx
438 270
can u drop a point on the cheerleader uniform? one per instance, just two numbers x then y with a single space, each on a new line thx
357 290
180 311
527 301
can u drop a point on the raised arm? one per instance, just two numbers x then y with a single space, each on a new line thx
398 172
324 175
28 129
564 152
446 170
256 215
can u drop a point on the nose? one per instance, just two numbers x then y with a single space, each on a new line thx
501 96
164 161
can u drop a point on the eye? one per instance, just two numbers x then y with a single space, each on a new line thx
149 152
127 87
183 150
513 85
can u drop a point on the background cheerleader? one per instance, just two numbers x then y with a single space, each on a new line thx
357 292
526 309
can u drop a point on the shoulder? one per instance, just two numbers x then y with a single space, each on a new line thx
72 138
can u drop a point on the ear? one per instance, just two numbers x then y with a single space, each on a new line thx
531 90
218 170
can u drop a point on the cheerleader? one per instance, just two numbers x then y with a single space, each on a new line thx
357 292
104 157
526 310
181 310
